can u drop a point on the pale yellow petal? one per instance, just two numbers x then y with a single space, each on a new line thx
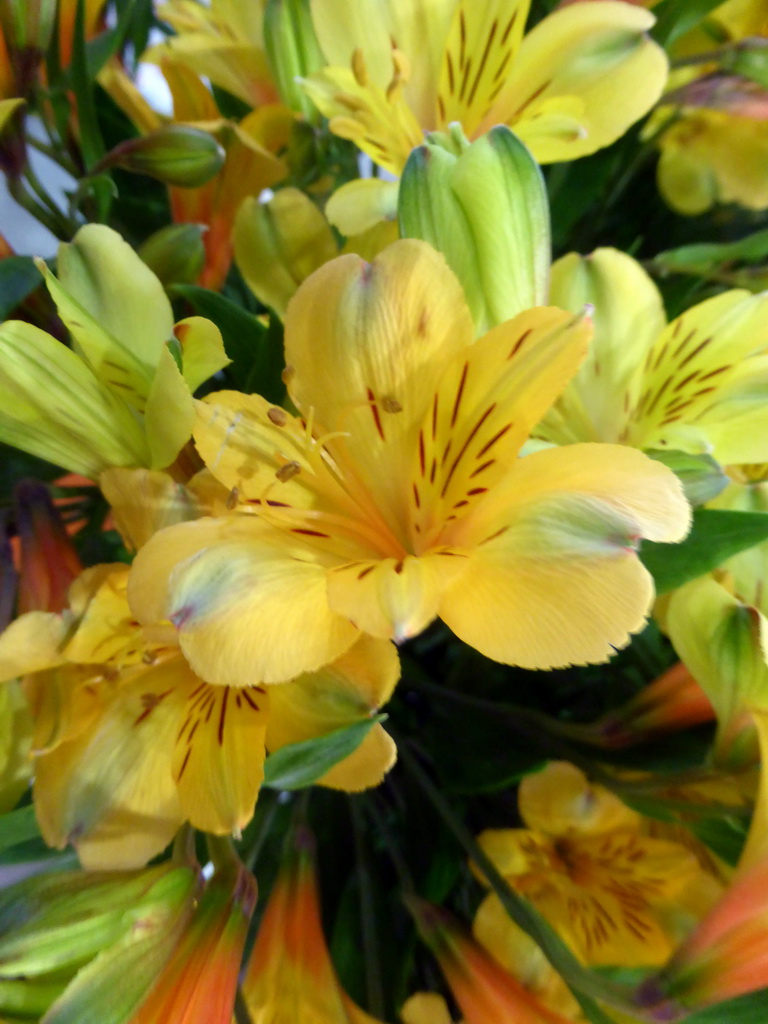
559 800
169 414
360 205
599 54
705 386
202 350
33 642
628 316
250 605
425 1008
279 243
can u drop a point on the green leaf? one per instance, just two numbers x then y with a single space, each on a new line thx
749 1009
18 277
707 256
298 765
257 357
18 827
676 17
715 536
702 478
91 141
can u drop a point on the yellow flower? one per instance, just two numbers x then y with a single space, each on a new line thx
129 743
714 136
119 398
584 862
222 41
572 85
396 495
695 385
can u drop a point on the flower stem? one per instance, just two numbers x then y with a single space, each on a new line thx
373 980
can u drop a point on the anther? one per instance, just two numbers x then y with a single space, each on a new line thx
288 374
232 498
277 416
359 69
287 471
391 405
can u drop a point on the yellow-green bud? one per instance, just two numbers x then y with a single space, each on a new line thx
484 206
27 24
177 154
292 51
175 254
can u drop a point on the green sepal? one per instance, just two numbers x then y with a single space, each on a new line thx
298 765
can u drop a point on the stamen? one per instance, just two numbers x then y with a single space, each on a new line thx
290 469
277 416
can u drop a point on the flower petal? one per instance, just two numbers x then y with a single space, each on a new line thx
350 689
366 345
219 578
598 54
144 501
554 578
218 759
488 400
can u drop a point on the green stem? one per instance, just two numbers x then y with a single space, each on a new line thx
374 983
586 985
379 820
39 212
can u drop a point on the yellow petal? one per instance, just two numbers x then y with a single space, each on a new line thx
391 598
598 54
367 344
704 390
215 578
115 308
32 642
350 689
480 51
628 316
417 29
15 741
488 400
279 243
110 791
54 407
144 501
377 120
7 109
218 759
425 1008
560 801
202 350
360 205
711 156
169 414
554 578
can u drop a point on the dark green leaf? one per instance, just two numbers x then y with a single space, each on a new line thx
18 277
18 827
298 765
257 359
750 1009
707 256
676 17
714 537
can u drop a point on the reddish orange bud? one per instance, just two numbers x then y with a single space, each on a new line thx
48 561
290 978
485 992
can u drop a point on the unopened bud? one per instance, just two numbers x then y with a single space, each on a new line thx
178 154
292 50
484 206
175 254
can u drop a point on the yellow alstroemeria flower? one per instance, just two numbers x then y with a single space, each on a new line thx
715 146
585 863
696 384
396 495
572 85
222 41
129 743
118 397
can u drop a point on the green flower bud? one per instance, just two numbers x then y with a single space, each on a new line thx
27 24
177 154
484 206
292 51
175 254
